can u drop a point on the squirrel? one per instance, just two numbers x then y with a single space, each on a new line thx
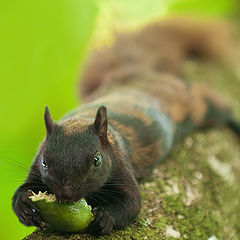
136 107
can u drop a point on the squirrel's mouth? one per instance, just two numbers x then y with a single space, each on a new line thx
68 195
68 199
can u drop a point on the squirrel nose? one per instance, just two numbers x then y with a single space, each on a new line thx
67 193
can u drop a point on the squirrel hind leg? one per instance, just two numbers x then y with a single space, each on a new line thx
234 126
212 110
207 108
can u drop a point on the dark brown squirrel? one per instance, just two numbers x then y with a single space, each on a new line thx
135 109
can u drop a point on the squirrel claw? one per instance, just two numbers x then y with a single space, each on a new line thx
103 222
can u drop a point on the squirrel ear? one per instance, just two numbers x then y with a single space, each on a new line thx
48 121
100 124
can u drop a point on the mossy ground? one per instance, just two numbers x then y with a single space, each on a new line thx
195 192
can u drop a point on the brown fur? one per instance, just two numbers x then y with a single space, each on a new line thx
140 159
73 126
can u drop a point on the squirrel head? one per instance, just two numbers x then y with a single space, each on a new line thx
73 159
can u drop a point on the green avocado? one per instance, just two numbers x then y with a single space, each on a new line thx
63 217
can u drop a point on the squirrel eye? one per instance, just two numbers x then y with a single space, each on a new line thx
43 162
97 161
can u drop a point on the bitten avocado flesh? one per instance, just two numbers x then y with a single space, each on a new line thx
63 217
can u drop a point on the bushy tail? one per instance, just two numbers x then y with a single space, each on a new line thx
160 47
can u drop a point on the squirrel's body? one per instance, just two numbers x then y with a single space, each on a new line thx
149 110
146 117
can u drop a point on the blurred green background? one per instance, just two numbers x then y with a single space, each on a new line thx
43 45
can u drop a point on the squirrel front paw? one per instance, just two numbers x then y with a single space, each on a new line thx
103 222
26 210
